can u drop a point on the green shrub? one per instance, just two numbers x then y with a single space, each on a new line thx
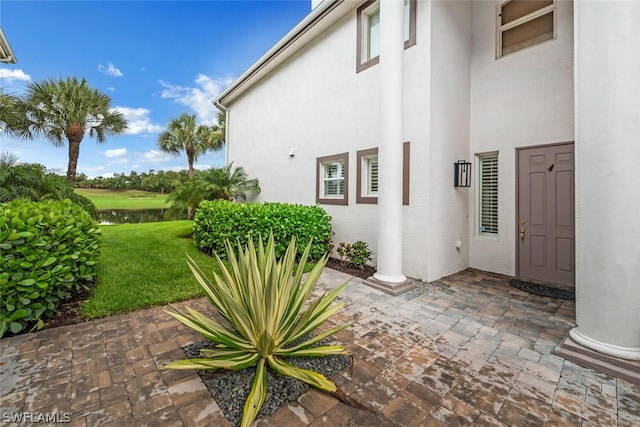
357 254
219 220
47 250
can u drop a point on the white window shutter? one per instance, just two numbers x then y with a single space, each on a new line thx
489 194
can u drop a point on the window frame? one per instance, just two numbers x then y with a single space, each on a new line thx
522 20
368 8
362 181
480 159
321 198
362 178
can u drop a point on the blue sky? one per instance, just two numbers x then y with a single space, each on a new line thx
155 59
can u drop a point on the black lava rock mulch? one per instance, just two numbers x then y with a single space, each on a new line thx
231 388
542 290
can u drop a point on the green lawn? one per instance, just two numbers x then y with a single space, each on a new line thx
125 199
143 265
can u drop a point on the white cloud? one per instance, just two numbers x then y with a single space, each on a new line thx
111 89
11 75
118 152
110 70
198 98
153 156
138 121
117 155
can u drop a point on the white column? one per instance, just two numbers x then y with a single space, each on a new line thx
607 95
389 258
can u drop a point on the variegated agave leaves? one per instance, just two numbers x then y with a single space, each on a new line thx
263 300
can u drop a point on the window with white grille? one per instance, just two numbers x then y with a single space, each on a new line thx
488 194
333 179
332 182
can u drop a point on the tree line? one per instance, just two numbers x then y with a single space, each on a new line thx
156 181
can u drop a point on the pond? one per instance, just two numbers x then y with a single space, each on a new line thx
132 216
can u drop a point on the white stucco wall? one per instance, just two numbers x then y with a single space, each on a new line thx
522 99
417 86
459 101
449 135
317 105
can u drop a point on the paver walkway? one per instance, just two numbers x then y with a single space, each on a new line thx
465 350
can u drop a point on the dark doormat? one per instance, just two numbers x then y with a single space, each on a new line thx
542 290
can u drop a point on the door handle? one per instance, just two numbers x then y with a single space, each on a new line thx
522 233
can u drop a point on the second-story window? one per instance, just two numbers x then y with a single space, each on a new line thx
368 39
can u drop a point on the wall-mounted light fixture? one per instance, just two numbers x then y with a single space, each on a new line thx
292 152
462 174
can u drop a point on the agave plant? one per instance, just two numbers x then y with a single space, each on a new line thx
263 300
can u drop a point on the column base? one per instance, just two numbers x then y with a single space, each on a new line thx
628 370
389 287
616 351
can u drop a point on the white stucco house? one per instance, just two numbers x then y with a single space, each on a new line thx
365 106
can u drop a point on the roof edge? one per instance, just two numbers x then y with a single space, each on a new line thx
6 54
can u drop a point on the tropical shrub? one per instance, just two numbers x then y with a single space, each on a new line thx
216 183
47 250
262 299
184 200
32 182
219 220
227 183
356 254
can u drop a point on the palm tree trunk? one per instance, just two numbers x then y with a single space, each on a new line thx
74 153
74 133
190 160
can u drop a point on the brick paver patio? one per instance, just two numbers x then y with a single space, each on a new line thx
465 350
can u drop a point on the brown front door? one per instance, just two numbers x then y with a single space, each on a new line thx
546 242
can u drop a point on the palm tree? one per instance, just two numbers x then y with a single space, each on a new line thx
8 116
220 130
185 199
223 183
216 183
63 110
184 134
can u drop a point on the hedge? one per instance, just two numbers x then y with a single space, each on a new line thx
217 221
47 250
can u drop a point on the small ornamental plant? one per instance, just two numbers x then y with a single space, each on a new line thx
356 254
263 299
